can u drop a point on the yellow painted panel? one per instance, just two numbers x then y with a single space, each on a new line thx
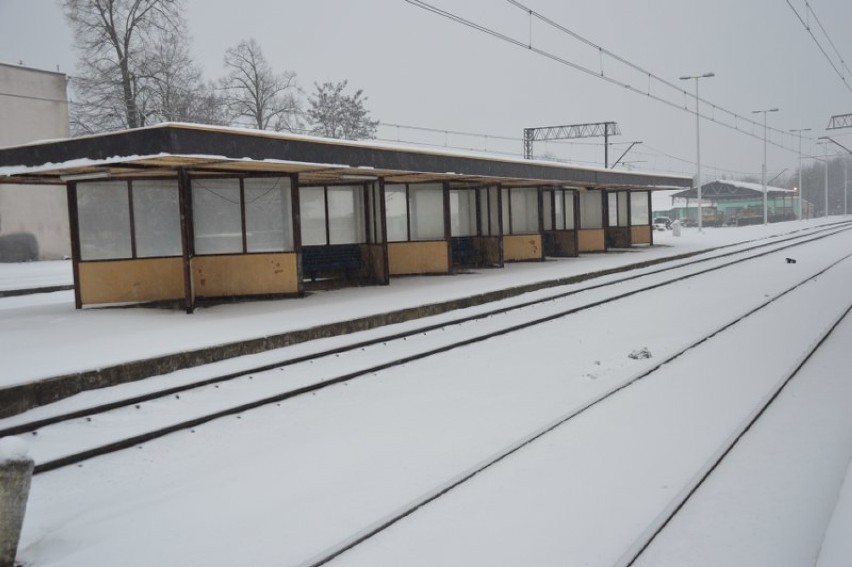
418 257
641 234
125 281
591 240
522 247
245 274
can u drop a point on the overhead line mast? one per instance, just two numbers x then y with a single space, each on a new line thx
570 132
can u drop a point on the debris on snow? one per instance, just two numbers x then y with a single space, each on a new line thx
640 354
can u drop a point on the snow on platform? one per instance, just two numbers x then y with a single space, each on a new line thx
99 337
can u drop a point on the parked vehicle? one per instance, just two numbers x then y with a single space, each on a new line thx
662 223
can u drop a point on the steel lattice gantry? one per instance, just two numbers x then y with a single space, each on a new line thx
571 131
840 121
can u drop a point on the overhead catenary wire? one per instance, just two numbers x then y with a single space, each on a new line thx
601 75
602 50
819 45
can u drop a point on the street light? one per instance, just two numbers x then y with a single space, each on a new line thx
845 173
801 187
763 171
824 143
698 140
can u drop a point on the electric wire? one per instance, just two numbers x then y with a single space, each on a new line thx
819 45
601 75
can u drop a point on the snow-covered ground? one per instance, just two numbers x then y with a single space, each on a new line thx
284 483
94 338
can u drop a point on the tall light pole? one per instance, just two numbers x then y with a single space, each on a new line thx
825 145
845 174
698 141
801 189
763 170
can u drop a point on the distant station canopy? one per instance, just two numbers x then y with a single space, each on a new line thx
181 212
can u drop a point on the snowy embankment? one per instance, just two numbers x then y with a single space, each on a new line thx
281 484
106 337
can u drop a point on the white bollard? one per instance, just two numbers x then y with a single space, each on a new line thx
16 472
676 228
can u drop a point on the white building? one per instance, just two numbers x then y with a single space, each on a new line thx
34 106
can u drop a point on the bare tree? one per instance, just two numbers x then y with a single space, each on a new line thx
257 96
173 80
115 68
334 114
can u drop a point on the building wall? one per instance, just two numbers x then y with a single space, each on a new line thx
34 106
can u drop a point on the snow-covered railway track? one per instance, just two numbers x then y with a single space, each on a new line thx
563 424
635 552
71 438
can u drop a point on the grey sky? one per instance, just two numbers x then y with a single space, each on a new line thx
423 70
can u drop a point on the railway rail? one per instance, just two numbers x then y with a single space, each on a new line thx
677 504
670 511
35 428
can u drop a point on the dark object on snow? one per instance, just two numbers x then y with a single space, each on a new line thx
18 247
639 354
791 260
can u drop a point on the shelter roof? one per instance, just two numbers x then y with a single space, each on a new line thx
733 190
164 149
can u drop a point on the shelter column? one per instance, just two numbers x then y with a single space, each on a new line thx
74 229
187 237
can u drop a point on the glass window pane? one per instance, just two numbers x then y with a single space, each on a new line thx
217 216
463 212
494 203
426 206
156 217
612 204
104 217
346 214
569 210
524 210
623 218
559 208
396 211
269 218
591 209
483 211
639 208
375 229
507 225
547 208
312 208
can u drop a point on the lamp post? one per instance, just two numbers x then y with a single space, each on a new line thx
845 173
763 170
801 188
824 143
698 140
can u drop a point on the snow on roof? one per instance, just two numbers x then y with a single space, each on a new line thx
752 186
367 144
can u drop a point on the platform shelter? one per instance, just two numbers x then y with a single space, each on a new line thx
182 213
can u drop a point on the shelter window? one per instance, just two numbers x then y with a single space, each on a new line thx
156 214
618 208
639 213
591 210
332 214
558 209
124 219
268 214
489 210
415 212
520 210
463 212
240 215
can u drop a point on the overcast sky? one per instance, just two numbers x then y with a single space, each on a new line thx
420 69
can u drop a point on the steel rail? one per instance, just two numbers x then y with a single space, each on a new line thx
135 440
30 426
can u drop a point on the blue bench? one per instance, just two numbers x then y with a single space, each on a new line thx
333 259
